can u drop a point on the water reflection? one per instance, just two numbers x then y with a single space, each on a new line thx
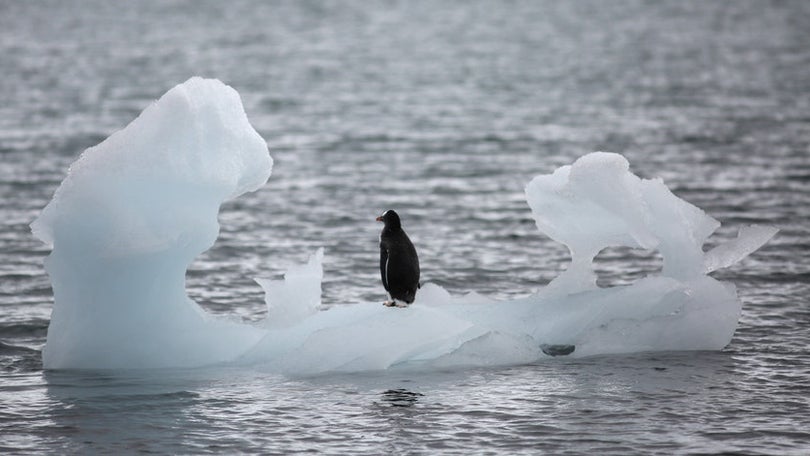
400 397
134 411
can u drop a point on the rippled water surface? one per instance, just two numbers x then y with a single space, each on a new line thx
444 112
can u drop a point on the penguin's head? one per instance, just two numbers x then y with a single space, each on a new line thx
390 218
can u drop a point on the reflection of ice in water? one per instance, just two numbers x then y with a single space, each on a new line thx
400 397
135 210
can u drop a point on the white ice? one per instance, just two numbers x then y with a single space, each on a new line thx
134 212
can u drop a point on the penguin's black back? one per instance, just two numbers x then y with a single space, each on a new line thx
399 263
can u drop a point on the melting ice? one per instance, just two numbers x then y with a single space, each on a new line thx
135 210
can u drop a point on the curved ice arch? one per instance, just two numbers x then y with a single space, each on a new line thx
597 203
135 210
131 215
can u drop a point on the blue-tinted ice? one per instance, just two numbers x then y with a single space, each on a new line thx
135 210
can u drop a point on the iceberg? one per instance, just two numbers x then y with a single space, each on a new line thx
135 210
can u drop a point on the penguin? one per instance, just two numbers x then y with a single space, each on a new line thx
399 264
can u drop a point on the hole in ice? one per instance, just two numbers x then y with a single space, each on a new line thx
616 266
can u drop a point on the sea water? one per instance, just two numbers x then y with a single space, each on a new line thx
445 113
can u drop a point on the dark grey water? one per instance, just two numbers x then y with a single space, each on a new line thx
444 112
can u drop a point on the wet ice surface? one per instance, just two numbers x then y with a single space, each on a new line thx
713 98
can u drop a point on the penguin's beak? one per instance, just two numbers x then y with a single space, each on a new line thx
379 219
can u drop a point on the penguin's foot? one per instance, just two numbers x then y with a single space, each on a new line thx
393 303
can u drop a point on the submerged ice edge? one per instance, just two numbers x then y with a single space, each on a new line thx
135 210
